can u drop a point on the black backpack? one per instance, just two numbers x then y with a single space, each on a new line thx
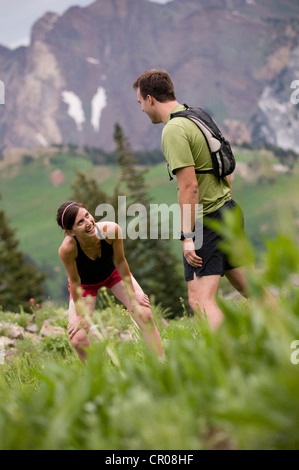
222 156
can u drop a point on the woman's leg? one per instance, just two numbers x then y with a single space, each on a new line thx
141 315
78 327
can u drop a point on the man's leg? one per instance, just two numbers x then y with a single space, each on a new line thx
238 280
202 293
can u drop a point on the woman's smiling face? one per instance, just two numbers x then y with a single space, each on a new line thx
84 224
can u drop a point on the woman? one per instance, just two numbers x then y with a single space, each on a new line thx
93 256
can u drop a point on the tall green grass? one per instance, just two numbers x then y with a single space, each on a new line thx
234 388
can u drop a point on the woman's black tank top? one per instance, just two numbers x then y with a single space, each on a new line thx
95 271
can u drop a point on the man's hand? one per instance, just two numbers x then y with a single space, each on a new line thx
189 253
76 324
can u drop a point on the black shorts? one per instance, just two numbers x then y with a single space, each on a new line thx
214 261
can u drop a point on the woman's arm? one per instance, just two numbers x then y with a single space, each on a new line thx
67 253
122 266
119 258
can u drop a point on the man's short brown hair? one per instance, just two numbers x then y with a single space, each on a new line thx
156 83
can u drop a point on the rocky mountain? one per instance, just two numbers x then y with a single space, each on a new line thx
235 58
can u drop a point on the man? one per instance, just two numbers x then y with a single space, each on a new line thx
185 149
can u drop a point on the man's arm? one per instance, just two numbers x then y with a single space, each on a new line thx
229 180
188 197
188 200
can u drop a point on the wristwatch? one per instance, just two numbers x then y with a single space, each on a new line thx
183 235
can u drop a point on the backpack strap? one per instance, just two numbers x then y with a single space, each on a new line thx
201 172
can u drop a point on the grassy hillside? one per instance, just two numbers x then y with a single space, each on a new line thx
31 199
234 388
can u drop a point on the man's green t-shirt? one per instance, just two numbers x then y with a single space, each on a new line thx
184 145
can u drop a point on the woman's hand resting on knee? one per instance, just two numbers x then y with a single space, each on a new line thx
77 323
142 298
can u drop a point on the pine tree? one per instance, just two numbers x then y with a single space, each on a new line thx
87 192
131 182
153 264
20 280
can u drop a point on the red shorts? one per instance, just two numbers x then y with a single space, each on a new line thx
92 289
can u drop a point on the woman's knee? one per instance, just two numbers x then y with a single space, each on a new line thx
143 317
80 339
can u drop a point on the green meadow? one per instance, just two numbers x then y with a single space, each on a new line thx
235 388
31 199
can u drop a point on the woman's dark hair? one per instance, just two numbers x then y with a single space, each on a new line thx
67 213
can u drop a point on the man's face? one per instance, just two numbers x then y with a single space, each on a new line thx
148 106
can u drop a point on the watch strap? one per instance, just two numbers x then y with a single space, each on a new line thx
183 235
